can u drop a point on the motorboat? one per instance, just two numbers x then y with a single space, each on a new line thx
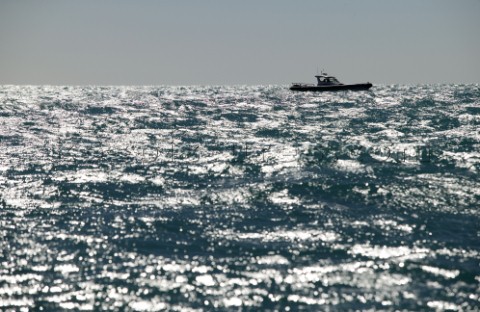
326 82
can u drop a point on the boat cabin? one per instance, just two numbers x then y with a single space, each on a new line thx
325 80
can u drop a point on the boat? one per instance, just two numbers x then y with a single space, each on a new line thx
326 82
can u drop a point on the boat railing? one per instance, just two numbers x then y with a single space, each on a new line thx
301 84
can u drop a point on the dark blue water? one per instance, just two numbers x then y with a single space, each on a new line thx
239 198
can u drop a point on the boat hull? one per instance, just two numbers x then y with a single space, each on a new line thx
353 87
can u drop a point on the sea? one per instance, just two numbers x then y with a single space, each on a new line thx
239 198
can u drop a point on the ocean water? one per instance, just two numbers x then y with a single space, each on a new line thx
239 198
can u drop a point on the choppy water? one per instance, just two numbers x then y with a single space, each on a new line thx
251 198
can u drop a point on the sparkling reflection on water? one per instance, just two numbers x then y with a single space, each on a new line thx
252 198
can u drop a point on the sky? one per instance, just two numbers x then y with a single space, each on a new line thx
248 42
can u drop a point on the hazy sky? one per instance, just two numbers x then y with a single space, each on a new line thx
184 42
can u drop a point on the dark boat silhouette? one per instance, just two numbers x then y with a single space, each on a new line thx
329 83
